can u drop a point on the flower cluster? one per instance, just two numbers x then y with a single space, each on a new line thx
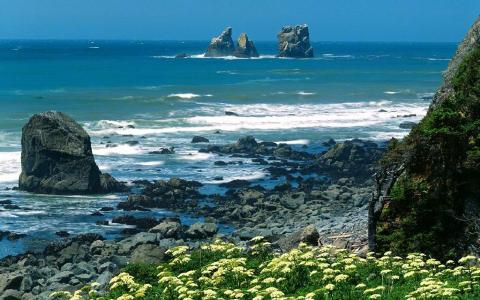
222 270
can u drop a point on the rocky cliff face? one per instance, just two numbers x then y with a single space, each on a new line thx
428 190
222 45
57 158
245 47
294 41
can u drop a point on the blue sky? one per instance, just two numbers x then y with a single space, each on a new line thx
334 20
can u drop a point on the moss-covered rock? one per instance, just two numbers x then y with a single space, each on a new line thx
433 204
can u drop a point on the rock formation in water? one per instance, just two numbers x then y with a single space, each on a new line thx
245 47
222 45
294 41
428 189
57 158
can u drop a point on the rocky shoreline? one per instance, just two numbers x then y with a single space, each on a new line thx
324 195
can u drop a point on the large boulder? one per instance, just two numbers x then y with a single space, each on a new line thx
245 47
222 45
294 41
57 158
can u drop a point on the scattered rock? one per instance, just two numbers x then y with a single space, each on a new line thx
200 139
245 47
294 41
57 157
221 45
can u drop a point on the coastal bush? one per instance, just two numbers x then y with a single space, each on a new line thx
222 270
434 204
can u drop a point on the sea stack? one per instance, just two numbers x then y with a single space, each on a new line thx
57 158
294 41
245 47
222 45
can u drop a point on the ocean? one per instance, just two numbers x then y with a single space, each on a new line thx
136 91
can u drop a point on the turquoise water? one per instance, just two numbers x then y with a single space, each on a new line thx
350 90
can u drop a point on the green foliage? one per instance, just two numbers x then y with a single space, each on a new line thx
225 271
442 160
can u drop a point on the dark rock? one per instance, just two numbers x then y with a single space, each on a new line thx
12 236
110 184
57 157
407 125
245 47
236 184
5 202
141 223
132 143
329 143
170 150
11 206
201 230
102 223
168 228
231 113
220 163
200 139
218 178
308 235
62 234
149 254
294 41
182 55
96 214
221 45
88 238
106 208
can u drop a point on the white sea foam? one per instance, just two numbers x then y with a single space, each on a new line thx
302 93
391 92
184 95
271 117
331 55
9 166
118 150
194 155
295 142
151 163
93 47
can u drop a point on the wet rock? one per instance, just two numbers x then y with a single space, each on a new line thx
132 143
293 200
57 157
308 235
170 150
62 234
141 223
11 206
202 230
294 41
199 139
168 228
245 47
236 184
407 125
222 45
5 202
231 113
11 295
329 143
149 254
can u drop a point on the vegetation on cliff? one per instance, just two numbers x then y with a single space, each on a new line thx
223 270
433 206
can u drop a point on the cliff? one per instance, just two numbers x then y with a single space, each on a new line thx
428 187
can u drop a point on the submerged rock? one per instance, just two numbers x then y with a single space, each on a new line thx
222 45
57 158
199 139
245 47
294 41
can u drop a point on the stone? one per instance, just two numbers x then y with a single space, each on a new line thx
310 235
148 254
245 47
407 125
231 113
10 281
199 139
202 230
11 295
293 200
222 45
57 158
294 41
169 228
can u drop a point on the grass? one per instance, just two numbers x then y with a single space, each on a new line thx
222 270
